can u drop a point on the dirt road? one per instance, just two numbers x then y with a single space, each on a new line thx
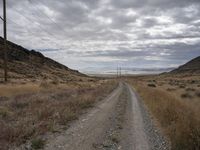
118 122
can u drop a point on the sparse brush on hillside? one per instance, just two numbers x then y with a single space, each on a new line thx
26 116
44 84
32 65
179 120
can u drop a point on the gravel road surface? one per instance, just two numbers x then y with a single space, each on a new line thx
119 122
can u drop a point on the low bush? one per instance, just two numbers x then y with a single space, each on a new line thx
190 89
198 94
186 95
171 89
55 81
151 85
4 112
44 84
182 86
37 143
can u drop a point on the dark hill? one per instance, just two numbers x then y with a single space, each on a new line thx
192 66
26 64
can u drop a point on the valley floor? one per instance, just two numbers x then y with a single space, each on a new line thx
120 121
138 113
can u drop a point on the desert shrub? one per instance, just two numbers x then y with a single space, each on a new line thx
33 80
192 81
151 85
171 89
86 103
182 86
186 95
44 84
55 81
91 80
17 104
190 89
66 115
45 113
198 94
115 137
152 81
4 112
37 143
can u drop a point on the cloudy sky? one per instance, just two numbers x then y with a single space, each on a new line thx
99 34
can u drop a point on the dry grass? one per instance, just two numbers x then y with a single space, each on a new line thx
11 90
179 118
24 117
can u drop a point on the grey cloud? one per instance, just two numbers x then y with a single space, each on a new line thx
149 22
118 53
152 3
177 51
130 31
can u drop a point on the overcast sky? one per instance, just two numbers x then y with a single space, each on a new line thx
97 34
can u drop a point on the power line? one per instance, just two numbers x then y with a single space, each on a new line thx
39 25
37 17
20 26
29 31
45 15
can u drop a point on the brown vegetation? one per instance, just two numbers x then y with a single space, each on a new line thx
26 116
151 85
179 118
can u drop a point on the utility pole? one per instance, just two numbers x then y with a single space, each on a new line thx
117 71
120 73
5 41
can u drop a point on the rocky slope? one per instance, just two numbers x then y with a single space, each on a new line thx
192 67
26 64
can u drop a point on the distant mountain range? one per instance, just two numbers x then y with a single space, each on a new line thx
26 64
191 67
128 70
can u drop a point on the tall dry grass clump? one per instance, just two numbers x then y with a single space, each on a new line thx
179 121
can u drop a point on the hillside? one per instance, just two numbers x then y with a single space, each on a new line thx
26 64
192 67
